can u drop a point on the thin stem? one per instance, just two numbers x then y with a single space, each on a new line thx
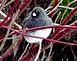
2 4
9 13
66 9
11 49
55 7
60 6
42 59
37 56
8 3
23 52
51 46
75 58
72 2
4 40
49 5
57 17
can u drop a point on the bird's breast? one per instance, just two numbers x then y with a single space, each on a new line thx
39 33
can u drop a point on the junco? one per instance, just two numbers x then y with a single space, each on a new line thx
37 18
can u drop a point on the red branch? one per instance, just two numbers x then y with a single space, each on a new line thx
9 51
50 40
65 21
58 35
22 8
6 20
55 2
70 15
69 28
24 5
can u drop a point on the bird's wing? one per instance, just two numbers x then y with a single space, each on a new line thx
40 33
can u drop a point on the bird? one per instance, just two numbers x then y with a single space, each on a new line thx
37 18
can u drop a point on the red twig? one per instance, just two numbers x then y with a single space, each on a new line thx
57 33
22 8
73 26
60 34
11 49
50 40
52 10
70 15
55 2
6 20
24 5
70 27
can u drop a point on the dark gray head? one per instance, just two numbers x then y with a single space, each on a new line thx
37 17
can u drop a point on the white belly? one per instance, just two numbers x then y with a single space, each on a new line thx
40 33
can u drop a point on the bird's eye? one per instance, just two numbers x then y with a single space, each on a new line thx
34 14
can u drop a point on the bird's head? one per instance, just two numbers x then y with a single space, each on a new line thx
37 17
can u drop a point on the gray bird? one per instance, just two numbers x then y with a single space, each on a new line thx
36 18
